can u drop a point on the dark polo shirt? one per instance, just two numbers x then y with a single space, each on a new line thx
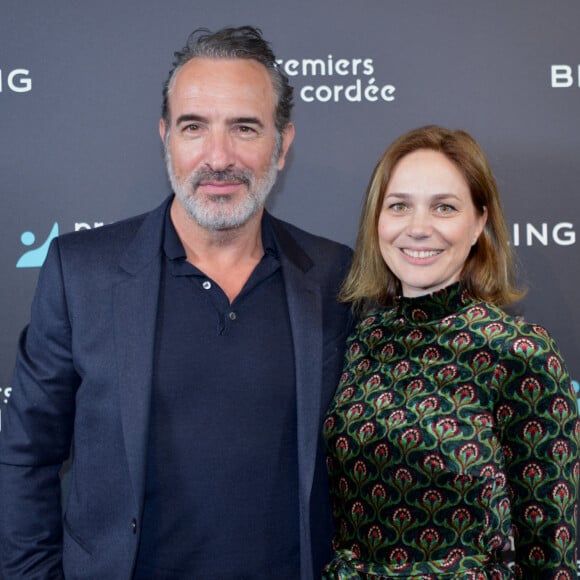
221 498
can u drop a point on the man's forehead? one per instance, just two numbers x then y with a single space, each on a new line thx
221 82
204 72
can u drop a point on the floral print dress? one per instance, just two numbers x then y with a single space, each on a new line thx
454 428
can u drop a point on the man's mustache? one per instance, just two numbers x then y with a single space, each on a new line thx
225 176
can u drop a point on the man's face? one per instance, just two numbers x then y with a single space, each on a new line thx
221 145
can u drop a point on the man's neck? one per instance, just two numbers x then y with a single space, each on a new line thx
227 256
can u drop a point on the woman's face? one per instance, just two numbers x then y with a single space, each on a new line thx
428 222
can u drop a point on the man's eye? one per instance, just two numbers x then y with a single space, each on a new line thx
245 130
192 127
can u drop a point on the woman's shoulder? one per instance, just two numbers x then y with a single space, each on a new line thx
517 336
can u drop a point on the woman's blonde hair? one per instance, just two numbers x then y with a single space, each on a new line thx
488 273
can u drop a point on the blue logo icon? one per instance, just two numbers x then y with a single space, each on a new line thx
35 258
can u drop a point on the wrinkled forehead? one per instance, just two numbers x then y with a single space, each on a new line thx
223 82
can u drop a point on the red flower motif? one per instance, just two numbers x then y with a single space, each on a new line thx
403 477
346 395
354 412
483 420
399 559
375 534
376 335
378 493
429 537
561 494
384 400
329 424
432 498
537 556
357 511
446 374
467 454
396 418
402 368
381 452
446 428
461 341
500 374
342 447
410 438
540 330
533 473
387 352
433 463
366 432
533 432
493 328
554 366
373 382
461 517
428 405
431 355
488 471
414 387
531 389
563 536
360 469
476 312
560 409
481 361
363 366
524 347
504 413
464 395
416 335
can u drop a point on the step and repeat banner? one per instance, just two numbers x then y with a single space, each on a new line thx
80 99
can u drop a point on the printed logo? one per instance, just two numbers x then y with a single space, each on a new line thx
345 80
35 258
562 76
16 81
561 234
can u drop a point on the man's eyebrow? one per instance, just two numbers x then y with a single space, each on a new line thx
247 121
193 118
190 117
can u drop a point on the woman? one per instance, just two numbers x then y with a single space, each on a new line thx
454 426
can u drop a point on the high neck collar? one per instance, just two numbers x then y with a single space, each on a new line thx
435 306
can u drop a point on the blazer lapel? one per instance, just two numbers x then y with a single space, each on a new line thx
135 308
304 297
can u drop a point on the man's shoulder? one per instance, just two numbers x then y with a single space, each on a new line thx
134 240
307 240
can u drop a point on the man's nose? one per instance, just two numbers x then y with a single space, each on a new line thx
219 150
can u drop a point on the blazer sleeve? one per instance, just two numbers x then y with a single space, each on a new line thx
539 420
36 434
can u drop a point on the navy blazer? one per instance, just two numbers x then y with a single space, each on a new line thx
82 389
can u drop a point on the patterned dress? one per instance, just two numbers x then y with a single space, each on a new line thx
454 427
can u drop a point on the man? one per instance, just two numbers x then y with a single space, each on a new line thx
184 358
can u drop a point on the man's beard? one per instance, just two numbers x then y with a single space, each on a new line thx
220 212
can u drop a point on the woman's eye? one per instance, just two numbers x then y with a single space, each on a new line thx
445 208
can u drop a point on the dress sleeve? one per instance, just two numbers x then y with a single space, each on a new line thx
538 417
35 440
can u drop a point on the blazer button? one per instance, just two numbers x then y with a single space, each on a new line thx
134 525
